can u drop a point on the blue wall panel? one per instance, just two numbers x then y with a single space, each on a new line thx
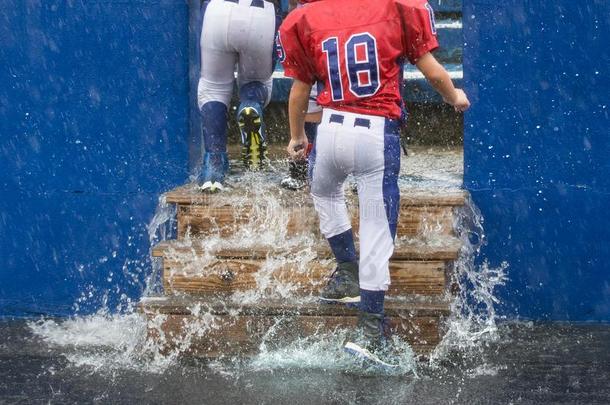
94 126
537 150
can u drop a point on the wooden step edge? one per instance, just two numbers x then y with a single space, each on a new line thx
187 195
186 304
448 250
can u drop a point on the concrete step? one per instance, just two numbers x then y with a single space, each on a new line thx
208 328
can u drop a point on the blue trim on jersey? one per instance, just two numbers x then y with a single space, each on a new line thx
391 157
319 87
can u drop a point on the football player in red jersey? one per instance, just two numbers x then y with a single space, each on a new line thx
356 50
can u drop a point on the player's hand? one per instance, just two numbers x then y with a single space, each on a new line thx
297 148
460 101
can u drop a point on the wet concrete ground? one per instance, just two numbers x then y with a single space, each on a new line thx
530 364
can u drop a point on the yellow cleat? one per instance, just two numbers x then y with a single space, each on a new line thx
254 148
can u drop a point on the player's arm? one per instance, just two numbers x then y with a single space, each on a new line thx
299 66
419 39
439 78
298 102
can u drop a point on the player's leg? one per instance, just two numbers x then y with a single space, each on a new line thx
253 36
377 168
214 93
331 162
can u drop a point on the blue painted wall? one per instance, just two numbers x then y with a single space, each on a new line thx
537 150
93 127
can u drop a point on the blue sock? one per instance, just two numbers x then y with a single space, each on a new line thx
372 301
253 92
214 124
215 166
343 247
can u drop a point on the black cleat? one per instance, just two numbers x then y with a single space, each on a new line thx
343 286
297 175
370 344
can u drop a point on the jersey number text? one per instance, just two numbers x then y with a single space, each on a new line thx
362 68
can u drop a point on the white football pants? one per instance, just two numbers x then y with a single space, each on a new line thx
369 148
235 33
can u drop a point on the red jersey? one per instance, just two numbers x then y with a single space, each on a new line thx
355 48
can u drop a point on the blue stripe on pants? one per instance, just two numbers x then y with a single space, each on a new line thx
391 155
312 162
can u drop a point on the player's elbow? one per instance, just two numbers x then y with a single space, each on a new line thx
437 76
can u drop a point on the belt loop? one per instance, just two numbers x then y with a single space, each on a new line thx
362 122
336 118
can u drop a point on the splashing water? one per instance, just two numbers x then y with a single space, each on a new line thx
108 341
160 228
323 350
473 320
101 341
111 340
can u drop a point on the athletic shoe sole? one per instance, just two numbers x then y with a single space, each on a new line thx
344 300
211 187
364 354
254 149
